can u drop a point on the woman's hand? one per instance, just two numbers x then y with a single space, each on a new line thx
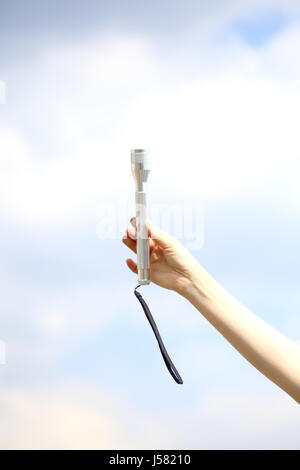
171 265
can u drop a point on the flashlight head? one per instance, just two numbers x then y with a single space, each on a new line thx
140 166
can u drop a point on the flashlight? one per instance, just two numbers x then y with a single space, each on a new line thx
140 166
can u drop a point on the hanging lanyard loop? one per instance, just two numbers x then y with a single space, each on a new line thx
170 366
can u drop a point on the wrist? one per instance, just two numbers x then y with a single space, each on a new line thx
191 286
208 296
183 286
200 288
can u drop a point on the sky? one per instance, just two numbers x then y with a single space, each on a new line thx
213 90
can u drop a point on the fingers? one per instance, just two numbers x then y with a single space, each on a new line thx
128 241
133 221
153 232
156 236
132 265
163 239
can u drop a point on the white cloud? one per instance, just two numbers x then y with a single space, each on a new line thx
13 150
78 108
253 421
53 321
225 124
220 136
73 417
77 417
215 136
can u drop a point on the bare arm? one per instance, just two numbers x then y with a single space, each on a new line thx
272 353
173 267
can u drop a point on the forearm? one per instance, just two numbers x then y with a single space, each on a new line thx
273 354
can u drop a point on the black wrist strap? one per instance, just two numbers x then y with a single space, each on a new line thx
171 368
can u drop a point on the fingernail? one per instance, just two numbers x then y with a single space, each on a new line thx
131 232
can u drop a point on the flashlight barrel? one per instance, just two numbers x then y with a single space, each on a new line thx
143 255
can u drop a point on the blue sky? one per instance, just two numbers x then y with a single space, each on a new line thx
261 26
83 369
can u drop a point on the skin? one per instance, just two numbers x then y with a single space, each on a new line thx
173 267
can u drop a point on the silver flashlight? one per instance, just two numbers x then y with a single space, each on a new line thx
140 166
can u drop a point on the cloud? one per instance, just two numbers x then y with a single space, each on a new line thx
221 119
233 133
14 153
76 417
252 421
80 111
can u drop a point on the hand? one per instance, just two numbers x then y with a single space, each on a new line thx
171 265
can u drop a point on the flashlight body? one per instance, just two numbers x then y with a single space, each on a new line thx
140 166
